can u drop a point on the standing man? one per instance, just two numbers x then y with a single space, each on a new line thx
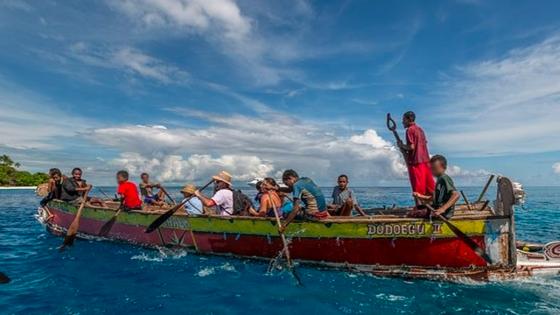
417 157
344 199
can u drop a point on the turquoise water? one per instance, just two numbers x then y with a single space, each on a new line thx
97 277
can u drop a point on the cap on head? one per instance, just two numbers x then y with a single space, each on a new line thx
223 176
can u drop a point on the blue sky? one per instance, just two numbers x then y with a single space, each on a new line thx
184 88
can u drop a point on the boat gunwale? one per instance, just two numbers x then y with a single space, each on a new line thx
484 215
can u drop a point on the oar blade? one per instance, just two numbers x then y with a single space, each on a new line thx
469 241
296 276
4 278
68 241
160 220
106 228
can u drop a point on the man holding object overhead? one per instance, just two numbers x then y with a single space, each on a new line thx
417 157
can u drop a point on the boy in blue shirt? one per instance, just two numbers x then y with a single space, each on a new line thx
306 191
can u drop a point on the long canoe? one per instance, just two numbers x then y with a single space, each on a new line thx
386 243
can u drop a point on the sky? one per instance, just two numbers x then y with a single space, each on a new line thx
185 88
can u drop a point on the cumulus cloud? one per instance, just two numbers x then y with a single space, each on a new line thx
503 105
195 167
556 168
253 147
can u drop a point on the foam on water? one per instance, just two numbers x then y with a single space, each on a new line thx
96 276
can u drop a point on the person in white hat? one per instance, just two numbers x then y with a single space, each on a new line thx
223 198
193 205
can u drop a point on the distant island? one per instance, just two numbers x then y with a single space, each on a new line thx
12 177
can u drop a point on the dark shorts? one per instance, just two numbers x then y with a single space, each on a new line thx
150 199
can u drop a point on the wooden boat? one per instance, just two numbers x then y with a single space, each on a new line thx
385 243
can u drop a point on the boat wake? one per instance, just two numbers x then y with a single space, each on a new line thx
161 255
207 271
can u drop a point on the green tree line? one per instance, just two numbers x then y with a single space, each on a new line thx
11 176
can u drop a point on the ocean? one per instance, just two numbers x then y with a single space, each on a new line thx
97 277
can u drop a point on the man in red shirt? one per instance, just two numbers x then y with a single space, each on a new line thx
417 157
128 192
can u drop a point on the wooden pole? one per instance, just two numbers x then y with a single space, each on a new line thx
286 249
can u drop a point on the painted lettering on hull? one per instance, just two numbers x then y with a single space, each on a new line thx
402 229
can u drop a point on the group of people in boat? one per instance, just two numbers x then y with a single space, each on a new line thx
298 197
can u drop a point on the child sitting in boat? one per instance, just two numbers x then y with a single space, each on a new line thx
445 195
128 192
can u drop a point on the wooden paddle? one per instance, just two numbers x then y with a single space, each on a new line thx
73 228
466 239
162 218
286 249
106 228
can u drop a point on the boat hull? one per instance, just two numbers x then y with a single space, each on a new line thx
402 247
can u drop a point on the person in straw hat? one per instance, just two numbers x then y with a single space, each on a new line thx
193 205
223 196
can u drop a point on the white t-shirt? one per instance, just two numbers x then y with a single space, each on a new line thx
224 200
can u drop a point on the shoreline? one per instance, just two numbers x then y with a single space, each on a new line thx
17 187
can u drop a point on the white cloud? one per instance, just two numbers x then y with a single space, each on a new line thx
220 16
219 21
556 167
456 171
177 169
16 4
128 60
251 146
504 105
